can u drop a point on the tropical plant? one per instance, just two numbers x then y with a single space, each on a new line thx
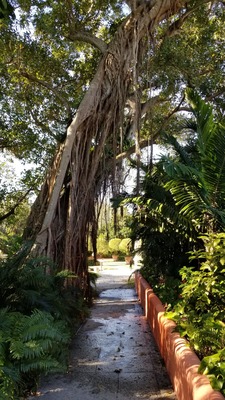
37 317
197 183
30 345
165 236
200 312
33 283
183 195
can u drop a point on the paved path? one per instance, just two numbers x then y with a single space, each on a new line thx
114 356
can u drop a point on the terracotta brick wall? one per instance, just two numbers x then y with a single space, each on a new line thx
181 362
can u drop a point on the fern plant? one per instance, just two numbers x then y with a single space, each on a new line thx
25 286
36 320
30 345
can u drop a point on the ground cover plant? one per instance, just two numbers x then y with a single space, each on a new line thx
38 317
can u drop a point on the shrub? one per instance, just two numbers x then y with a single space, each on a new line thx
214 367
114 245
102 246
125 246
200 315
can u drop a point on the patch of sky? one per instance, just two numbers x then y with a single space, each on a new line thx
12 172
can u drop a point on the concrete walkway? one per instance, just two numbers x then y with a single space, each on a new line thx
114 356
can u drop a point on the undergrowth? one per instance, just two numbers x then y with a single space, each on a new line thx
37 318
167 288
200 313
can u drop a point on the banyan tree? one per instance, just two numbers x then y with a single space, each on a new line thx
91 154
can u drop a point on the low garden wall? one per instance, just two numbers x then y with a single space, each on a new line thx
181 362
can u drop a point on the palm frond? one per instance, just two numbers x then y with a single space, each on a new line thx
214 167
178 170
180 150
204 118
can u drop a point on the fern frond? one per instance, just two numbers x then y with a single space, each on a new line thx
42 365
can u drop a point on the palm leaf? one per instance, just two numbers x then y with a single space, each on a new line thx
178 170
214 167
204 118
180 150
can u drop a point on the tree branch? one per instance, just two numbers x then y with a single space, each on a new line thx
48 86
145 107
83 36
133 4
12 211
125 154
176 25
145 142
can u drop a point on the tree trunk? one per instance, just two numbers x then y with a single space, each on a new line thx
66 198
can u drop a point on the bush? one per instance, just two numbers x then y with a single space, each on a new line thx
214 367
102 246
200 315
125 246
114 245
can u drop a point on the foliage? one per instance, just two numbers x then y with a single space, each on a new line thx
102 246
124 225
37 316
197 185
92 262
167 288
6 10
114 245
11 230
125 246
37 104
200 314
34 283
180 196
10 243
183 196
30 345
214 367
15 205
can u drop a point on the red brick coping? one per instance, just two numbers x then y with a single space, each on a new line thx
181 362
